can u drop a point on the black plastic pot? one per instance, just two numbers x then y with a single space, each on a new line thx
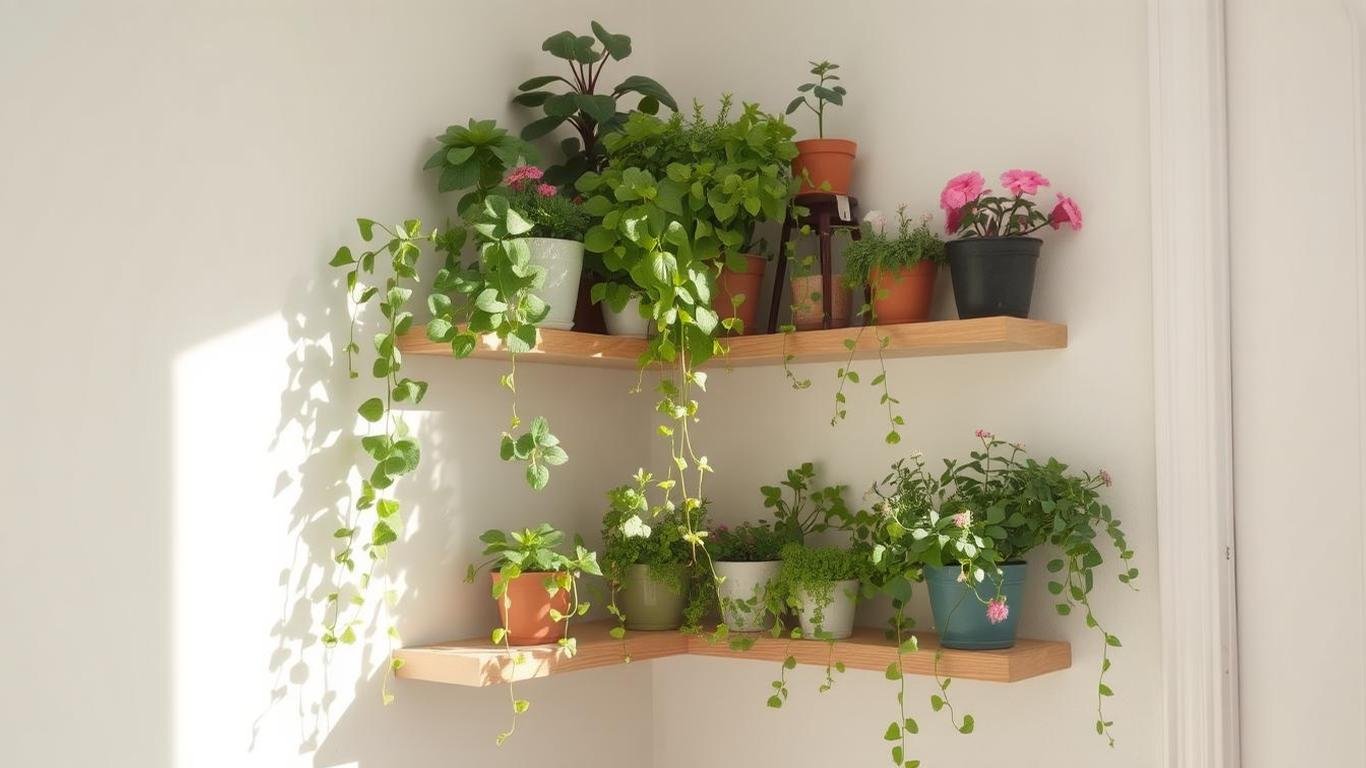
993 275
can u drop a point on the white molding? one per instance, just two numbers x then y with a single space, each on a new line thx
1356 18
1191 337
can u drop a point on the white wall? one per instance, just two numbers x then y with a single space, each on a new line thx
174 177
936 89
1299 376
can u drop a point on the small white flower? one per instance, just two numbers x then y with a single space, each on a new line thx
876 221
635 528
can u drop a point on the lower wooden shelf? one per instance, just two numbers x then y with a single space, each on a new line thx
477 662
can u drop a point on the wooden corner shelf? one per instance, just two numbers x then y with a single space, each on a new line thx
941 337
478 663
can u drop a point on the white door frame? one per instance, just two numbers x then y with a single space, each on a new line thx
1191 338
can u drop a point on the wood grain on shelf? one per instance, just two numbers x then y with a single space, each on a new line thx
479 663
942 337
869 649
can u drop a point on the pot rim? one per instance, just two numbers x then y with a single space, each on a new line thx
980 238
827 139
550 239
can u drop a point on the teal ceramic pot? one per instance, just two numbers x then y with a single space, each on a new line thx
648 603
961 619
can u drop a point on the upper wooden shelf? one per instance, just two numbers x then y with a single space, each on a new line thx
942 337
478 662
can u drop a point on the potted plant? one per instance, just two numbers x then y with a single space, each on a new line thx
622 312
898 269
822 584
993 259
555 241
746 560
535 585
537 591
647 559
822 165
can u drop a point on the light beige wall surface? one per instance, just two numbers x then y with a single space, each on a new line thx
173 178
1296 205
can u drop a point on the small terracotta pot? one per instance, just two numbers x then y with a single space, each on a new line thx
525 610
903 295
808 309
825 160
745 283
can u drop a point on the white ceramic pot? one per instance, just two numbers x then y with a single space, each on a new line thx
828 616
627 322
742 593
563 264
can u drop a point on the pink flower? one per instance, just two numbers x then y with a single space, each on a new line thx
1023 182
1066 212
985 435
961 190
955 220
963 519
1106 478
546 190
997 611
521 174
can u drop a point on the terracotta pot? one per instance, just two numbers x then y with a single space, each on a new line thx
808 309
825 160
903 295
746 283
525 610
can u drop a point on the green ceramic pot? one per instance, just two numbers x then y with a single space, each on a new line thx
648 603
961 619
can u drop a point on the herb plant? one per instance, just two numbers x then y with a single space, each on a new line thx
821 92
911 244
746 543
592 111
534 551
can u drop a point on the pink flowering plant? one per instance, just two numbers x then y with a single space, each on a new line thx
549 213
1013 505
972 210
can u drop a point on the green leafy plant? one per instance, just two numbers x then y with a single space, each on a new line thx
807 580
592 111
805 508
678 199
527 552
821 92
475 157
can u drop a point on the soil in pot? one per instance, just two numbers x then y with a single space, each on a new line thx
525 610
993 275
627 322
808 307
825 161
903 294
649 603
743 591
746 282
563 263
828 616
961 619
